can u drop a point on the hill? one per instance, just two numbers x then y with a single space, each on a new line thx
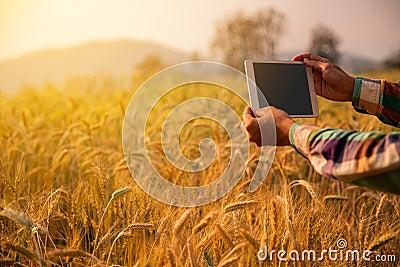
116 57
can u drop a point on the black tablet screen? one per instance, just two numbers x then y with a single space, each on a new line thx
285 86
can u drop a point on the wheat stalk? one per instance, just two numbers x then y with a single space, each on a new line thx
26 222
273 217
239 205
17 217
204 222
191 254
69 252
20 250
171 258
114 195
231 257
224 236
361 226
128 231
236 249
310 227
7 262
206 240
308 187
381 204
180 222
120 192
382 240
335 197
208 259
228 261
9 186
139 226
249 238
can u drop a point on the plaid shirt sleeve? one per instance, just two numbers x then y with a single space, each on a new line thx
370 159
378 97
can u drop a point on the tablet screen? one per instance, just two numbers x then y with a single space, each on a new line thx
284 86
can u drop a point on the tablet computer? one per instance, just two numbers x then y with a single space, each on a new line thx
287 85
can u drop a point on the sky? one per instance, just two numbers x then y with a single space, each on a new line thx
365 27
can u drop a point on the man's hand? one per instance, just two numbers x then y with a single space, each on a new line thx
263 120
330 81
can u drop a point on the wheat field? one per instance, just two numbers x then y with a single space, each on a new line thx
67 197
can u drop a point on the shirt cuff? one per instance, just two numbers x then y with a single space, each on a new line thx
299 134
367 95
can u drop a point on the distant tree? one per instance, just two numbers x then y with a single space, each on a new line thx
393 61
148 66
324 43
241 37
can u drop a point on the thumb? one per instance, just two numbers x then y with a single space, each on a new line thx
262 112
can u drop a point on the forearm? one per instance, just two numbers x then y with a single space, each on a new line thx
378 97
369 159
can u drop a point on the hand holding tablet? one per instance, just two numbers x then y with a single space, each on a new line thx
286 85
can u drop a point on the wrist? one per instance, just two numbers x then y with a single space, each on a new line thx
350 88
299 135
367 95
283 131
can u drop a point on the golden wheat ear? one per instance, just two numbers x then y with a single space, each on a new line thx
380 241
18 217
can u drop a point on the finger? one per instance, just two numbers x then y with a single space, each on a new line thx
309 63
318 84
301 57
248 113
252 129
249 119
319 58
262 111
275 109
318 65
310 56
249 123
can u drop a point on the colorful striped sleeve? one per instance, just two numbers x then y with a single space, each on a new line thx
378 97
370 159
